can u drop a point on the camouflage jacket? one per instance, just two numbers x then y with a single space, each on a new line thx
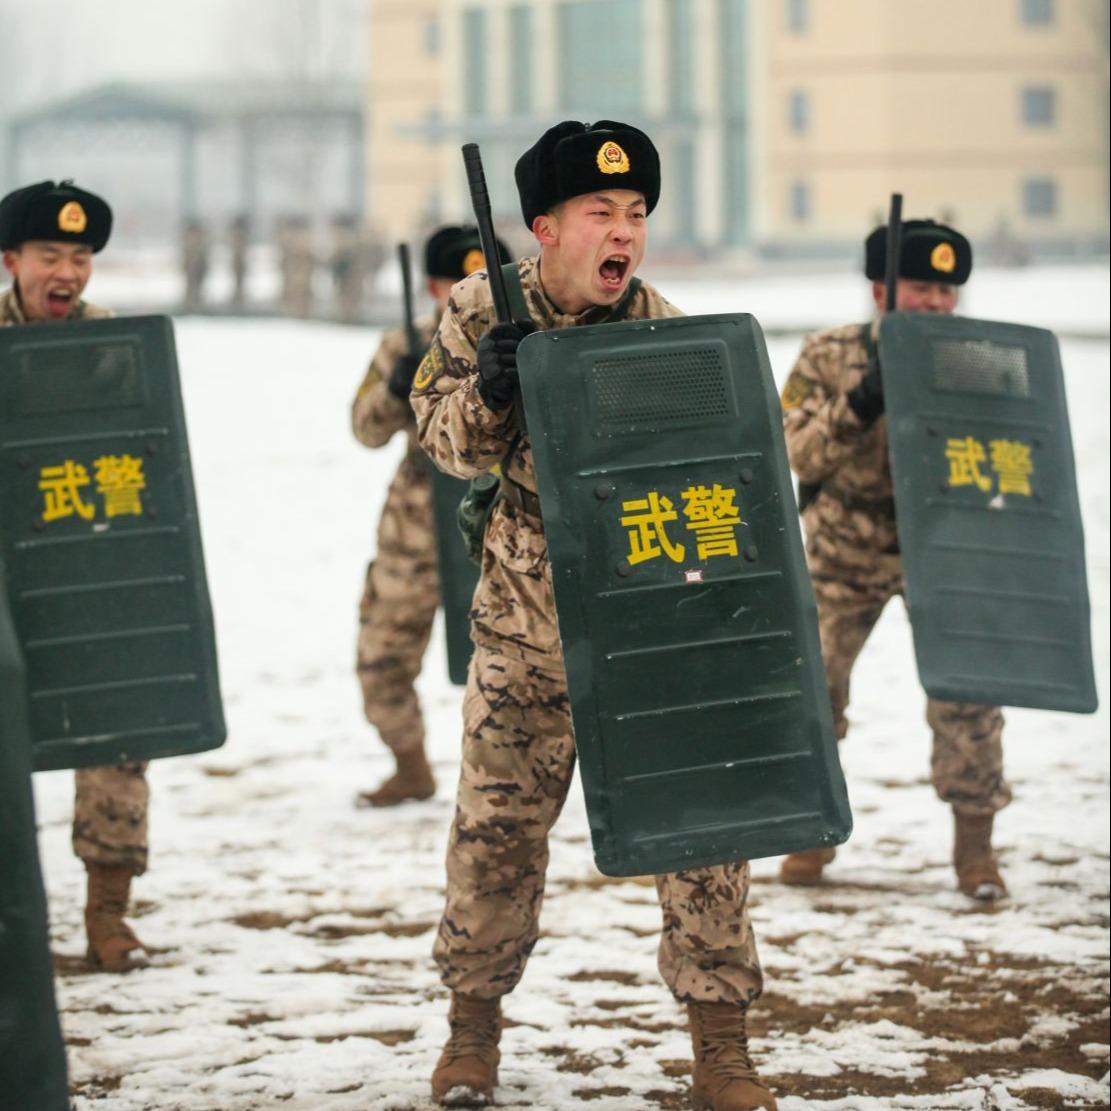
513 611
11 312
828 445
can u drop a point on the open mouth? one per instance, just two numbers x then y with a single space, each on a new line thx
59 301
613 271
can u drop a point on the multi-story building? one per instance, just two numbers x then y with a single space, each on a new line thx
783 125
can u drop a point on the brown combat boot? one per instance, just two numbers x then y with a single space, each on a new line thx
113 947
467 1071
724 1077
805 869
977 870
412 780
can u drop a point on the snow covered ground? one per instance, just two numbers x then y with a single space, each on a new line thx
292 932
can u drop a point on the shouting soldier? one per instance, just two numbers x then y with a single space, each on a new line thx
402 585
48 235
586 194
836 434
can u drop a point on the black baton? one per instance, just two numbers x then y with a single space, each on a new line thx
894 248
480 202
407 298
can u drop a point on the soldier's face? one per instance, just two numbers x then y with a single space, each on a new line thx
440 288
915 296
51 276
594 242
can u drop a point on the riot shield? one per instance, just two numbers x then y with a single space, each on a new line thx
458 575
32 1056
102 545
688 623
988 512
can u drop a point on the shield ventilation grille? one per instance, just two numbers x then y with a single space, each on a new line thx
671 387
981 366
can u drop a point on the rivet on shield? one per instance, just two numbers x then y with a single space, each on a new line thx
38 524
152 448
943 487
151 511
23 461
751 552
746 475
624 568
602 491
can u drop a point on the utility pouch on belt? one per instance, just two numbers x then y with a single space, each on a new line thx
475 509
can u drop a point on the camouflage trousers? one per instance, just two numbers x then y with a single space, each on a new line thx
517 762
967 758
110 816
398 606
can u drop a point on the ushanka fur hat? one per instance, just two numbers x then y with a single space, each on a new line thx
455 252
930 252
58 213
574 158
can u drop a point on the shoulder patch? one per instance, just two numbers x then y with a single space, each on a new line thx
795 391
431 367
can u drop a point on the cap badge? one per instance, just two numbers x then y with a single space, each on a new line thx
72 218
473 260
612 159
943 258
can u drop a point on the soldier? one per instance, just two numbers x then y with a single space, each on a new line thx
239 239
833 416
48 235
194 263
402 583
348 266
298 265
586 193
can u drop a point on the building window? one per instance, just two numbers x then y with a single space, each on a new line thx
800 201
1039 106
600 58
520 59
1036 13
798 16
680 57
432 36
1039 197
474 62
798 112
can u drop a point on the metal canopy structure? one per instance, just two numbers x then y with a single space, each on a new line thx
255 111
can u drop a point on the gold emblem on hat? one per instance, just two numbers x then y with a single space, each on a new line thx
473 260
944 258
72 218
612 159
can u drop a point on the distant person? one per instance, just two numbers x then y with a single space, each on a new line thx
48 235
194 263
239 240
402 583
833 417
349 267
297 264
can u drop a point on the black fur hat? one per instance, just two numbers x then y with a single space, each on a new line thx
574 158
454 252
930 252
59 213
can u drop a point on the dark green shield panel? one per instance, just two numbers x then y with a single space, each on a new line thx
458 575
686 615
988 512
102 544
32 1057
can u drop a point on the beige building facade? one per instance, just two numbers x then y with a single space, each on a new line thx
783 125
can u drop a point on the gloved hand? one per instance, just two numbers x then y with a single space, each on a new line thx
866 398
497 364
401 377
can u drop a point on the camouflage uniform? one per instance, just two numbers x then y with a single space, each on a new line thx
853 553
518 749
402 582
110 810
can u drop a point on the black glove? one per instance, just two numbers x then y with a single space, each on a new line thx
401 377
866 398
497 364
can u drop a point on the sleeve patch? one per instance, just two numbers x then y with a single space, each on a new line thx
431 367
796 391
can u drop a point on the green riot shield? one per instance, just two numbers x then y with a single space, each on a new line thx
32 1056
458 575
688 624
987 510
102 544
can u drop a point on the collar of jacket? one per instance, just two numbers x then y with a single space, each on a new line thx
547 315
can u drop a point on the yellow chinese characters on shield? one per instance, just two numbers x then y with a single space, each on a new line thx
118 479
711 514
1010 464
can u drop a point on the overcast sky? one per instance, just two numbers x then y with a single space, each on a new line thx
48 50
